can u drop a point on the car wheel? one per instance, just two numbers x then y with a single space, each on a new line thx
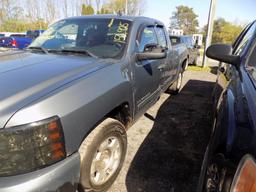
219 174
102 154
176 86
185 65
196 62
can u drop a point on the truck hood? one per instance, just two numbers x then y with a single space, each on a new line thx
25 77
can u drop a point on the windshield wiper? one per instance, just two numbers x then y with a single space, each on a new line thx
79 51
39 49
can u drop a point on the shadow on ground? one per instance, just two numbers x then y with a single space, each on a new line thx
170 157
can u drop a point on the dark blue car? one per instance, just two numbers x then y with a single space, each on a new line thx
229 159
15 42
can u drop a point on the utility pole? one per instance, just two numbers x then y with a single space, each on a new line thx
208 40
126 7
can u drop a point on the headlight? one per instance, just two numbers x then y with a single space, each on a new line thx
245 177
30 147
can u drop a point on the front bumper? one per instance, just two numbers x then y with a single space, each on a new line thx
62 177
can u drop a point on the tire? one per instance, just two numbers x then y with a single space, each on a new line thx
219 174
102 154
176 86
185 65
195 62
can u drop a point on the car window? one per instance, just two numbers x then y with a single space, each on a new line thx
148 36
161 36
103 37
245 40
69 31
251 64
174 40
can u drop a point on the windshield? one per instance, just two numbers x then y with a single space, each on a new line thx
105 38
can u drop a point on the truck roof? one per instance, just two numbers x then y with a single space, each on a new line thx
125 17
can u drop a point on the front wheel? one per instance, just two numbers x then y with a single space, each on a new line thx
176 86
102 155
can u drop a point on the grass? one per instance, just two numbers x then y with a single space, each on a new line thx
201 51
198 68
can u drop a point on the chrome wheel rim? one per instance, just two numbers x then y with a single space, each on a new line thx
106 161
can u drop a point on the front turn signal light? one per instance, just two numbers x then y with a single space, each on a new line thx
245 177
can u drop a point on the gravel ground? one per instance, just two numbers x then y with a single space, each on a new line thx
166 146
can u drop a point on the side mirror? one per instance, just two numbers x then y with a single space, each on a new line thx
152 51
223 53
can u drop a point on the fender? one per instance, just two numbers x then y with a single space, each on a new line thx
81 105
231 120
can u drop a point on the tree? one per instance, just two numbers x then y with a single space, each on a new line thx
224 31
87 10
184 18
52 11
135 7
104 11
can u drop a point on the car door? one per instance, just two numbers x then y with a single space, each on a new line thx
167 68
146 72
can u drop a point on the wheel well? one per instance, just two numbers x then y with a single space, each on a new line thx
122 113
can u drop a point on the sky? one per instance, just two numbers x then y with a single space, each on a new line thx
237 11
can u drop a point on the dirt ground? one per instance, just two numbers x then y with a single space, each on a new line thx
166 146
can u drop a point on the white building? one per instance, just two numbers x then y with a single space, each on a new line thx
176 32
198 38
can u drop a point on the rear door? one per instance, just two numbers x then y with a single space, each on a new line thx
167 67
146 72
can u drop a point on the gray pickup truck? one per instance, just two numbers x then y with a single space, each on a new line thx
193 53
67 101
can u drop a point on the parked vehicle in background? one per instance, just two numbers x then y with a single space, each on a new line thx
20 40
67 102
193 52
8 34
178 45
229 162
17 35
2 35
15 42
34 33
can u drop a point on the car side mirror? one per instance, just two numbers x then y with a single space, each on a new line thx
152 51
223 53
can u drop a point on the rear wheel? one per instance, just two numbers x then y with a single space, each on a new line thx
196 61
102 155
185 65
176 86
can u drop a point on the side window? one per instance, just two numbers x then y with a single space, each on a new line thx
251 66
147 36
245 40
161 36
175 40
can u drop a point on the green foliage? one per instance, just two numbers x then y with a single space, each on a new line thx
224 31
87 10
13 25
104 11
184 18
